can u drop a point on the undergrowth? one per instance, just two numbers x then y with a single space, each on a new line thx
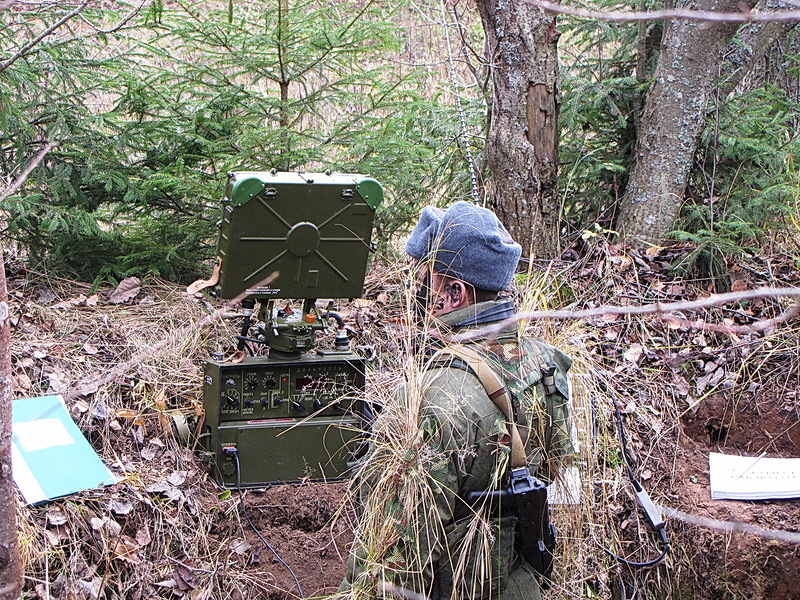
167 522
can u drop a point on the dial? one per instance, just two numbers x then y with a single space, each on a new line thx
251 381
232 399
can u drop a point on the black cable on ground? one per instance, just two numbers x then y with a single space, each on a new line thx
233 452
643 499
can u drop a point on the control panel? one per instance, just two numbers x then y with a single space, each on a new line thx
288 420
267 391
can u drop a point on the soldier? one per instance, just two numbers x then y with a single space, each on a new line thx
426 529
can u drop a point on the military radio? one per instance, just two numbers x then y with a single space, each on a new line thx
296 412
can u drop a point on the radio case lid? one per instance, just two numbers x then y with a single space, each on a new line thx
296 235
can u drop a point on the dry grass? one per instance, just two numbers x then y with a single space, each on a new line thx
106 543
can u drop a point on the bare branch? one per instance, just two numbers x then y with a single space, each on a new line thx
757 327
661 309
732 526
745 16
24 175
124 21
30 45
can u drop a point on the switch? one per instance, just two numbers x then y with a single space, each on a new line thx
232 399
297 406
265 402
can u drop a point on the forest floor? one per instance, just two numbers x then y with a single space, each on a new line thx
129 360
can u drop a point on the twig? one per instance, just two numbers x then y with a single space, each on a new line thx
746 16
119 25
732 526
661 309
757 327
24 175
185 566
27 47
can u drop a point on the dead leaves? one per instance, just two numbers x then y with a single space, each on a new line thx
634 354
120 506
164 489
184 583
127 290
79 300
117 544
698 353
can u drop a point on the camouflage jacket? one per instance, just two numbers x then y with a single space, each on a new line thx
434 542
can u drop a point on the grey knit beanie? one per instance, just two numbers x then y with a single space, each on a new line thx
421 240
472 245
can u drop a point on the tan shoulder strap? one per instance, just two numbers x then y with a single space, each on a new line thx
495 389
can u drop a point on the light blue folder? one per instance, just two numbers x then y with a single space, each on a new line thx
50 456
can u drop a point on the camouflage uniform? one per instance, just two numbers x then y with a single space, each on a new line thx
451 553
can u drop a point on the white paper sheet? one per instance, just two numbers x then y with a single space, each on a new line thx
753 477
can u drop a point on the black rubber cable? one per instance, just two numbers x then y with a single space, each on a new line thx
654 519
233 452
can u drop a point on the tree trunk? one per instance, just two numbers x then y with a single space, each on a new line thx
522 143
671 123
10 575
754 40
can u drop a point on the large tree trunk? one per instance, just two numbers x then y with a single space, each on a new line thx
10 577
522 143
671 123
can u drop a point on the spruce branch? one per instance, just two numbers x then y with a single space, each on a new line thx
32 44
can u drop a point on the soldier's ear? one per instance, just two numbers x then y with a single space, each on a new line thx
458 294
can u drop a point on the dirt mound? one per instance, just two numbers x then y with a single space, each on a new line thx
692 386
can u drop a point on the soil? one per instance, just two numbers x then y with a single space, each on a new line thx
737 565
302 524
